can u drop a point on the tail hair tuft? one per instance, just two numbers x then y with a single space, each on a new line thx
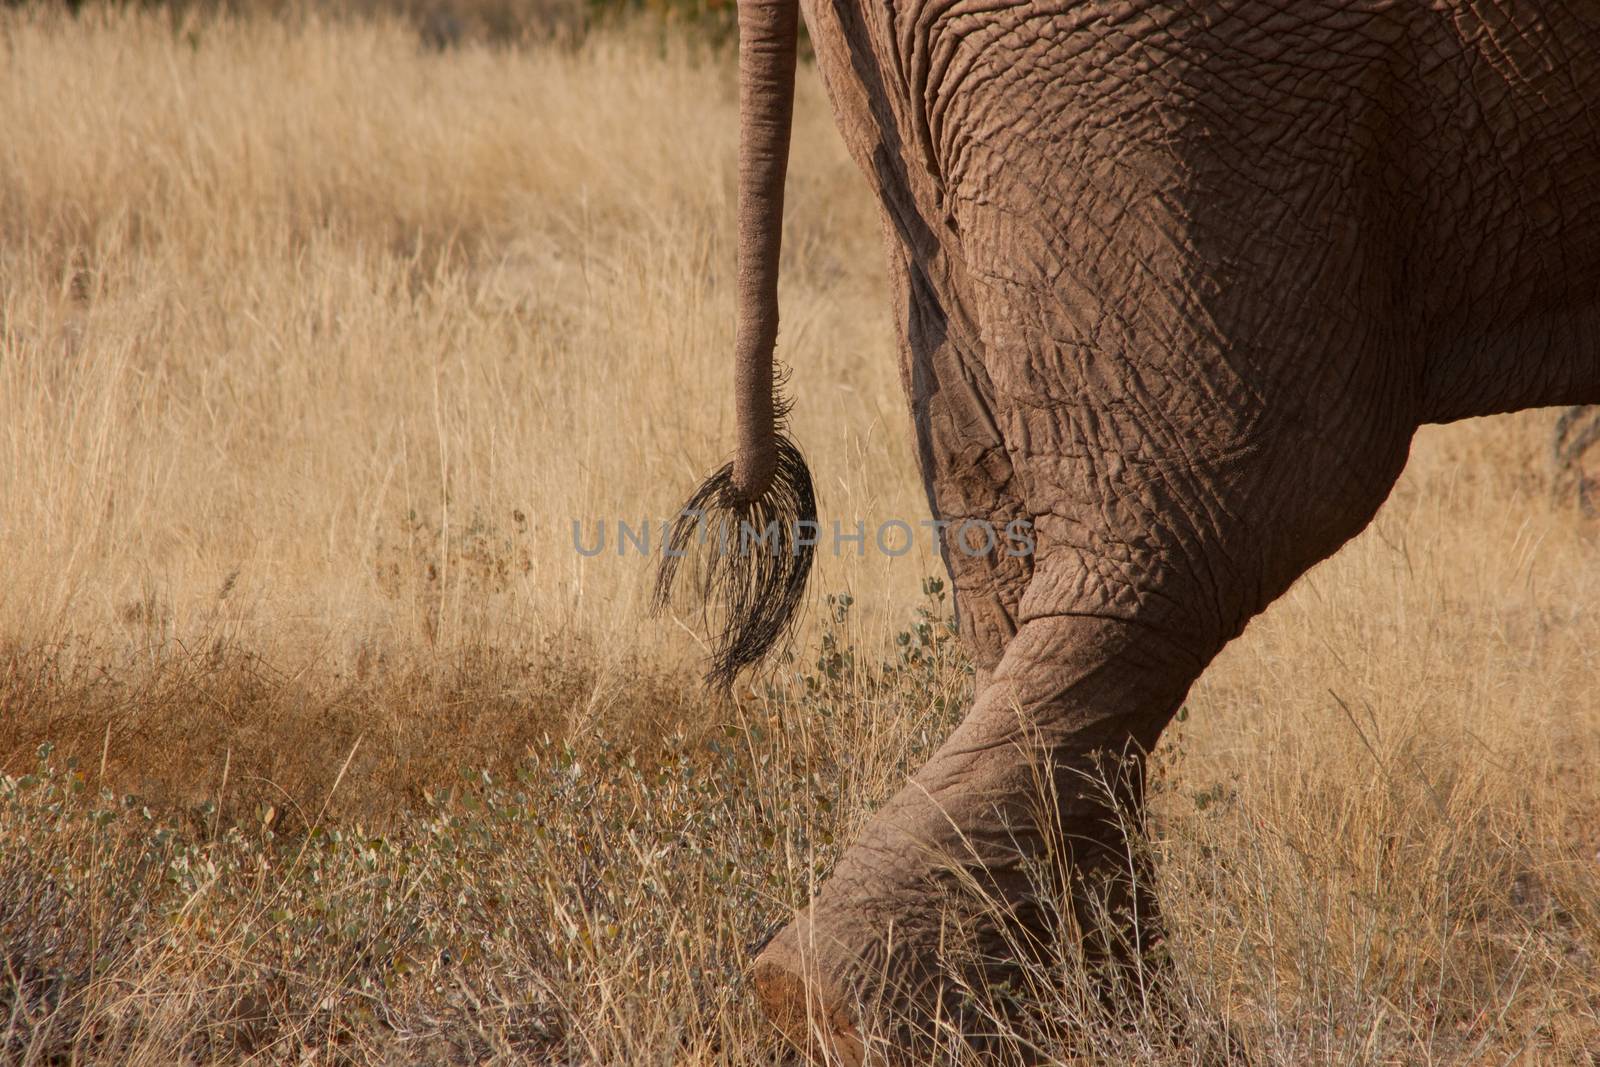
747 561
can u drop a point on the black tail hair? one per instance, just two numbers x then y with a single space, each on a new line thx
753 559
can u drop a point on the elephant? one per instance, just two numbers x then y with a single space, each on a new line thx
1175 283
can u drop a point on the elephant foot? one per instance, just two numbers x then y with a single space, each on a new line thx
957 973
942 930
808 1012
963 978
898 957
827 998
924 943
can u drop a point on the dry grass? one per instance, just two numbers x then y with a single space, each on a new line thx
313 342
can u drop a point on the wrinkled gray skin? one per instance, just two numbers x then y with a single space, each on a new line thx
1176 282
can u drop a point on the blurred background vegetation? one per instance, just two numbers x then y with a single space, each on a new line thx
449 23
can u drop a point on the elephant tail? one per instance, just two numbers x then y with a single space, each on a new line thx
746 528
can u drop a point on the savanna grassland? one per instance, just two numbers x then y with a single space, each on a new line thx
322 744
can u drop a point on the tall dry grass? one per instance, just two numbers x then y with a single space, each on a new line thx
314 341
317 342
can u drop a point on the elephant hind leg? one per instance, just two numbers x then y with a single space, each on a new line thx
1185 454
954 889
955 886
